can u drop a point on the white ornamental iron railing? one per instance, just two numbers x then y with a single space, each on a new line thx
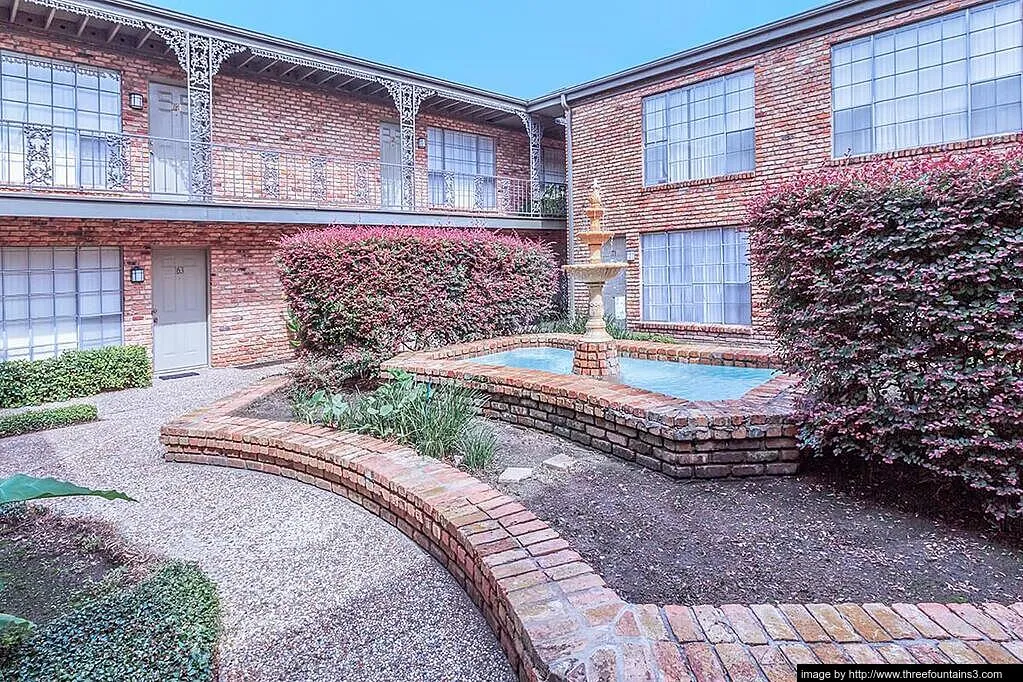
44 158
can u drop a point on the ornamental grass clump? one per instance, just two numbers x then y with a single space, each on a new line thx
358 296
897 292
438 421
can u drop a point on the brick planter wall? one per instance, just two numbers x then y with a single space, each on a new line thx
751 436
553 614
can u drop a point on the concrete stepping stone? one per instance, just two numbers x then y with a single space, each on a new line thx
514 474
560 462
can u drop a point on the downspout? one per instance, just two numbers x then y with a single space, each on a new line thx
570 246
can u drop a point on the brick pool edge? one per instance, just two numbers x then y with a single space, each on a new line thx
750 436
554 616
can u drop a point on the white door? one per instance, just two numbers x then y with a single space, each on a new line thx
168 129
390 165
180 329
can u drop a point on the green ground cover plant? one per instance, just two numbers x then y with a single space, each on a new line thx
104 612
162 628
40 420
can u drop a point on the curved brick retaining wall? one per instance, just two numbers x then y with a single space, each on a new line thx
554 616
750 436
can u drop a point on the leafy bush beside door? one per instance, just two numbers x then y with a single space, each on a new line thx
73 374
897 292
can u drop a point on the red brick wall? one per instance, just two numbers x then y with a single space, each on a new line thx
246 314
246 305
793 134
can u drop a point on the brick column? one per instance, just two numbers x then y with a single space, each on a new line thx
595 358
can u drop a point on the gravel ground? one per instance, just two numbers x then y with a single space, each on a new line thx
799 539
313 587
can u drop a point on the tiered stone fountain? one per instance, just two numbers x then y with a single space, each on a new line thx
595 354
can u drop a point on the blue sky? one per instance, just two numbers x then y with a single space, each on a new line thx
523 48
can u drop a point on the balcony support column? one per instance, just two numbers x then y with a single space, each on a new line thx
407 98
200 57
534 129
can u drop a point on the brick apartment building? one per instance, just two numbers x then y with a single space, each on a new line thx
680 144
149 161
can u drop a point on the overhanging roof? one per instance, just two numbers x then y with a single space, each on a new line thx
126 25
268 56
786 31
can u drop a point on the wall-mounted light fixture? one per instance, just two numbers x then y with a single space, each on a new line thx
421 143
138 275
136 100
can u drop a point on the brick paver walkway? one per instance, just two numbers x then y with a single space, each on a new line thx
553 613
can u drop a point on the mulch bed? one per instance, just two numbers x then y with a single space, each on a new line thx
275 407
49 562
827 535
809 538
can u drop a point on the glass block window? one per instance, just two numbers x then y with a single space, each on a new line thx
57 299
696 276
951 78
553 170
699 131
461 169
72 106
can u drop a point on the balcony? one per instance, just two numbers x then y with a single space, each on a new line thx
77 163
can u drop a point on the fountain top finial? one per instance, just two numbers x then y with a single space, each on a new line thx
595 202
595 210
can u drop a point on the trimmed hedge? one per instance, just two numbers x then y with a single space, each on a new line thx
73 374
163 628
379 291
40 420
898 293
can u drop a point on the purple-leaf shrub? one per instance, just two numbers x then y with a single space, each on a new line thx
897 291
384 290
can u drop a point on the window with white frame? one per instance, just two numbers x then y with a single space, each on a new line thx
553 166
54 299
699 276
71 108
461 169
700 131
952 78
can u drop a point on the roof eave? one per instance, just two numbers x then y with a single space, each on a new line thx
158 15
755 41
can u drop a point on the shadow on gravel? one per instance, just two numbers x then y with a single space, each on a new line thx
401 630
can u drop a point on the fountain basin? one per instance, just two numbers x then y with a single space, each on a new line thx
705 435
687 380
595 273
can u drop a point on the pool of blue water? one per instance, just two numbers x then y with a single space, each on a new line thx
677 379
